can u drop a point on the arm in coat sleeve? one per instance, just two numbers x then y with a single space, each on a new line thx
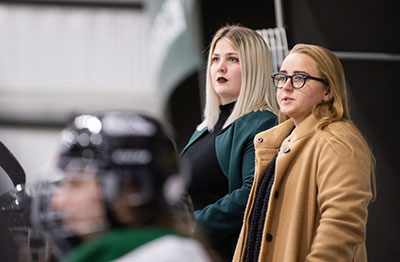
344 191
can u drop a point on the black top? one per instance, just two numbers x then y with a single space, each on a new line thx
208 184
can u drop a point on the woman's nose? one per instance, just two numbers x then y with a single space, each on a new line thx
221 66
288 84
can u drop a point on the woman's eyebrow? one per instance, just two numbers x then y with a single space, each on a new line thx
301 72
227 54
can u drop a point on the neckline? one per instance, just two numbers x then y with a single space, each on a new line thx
227 107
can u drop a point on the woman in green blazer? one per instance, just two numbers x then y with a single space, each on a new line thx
239 104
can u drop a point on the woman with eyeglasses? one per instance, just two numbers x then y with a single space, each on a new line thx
314 175
240 102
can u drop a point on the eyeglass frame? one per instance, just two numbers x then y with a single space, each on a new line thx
291 79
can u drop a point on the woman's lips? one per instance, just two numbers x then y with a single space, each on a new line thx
287 99
222 79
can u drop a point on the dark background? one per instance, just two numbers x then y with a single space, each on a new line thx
356 26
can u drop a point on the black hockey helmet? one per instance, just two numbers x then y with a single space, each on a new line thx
128 145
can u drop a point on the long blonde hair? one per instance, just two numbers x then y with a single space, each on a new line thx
337 108
257 91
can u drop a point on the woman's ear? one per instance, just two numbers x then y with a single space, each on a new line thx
328 95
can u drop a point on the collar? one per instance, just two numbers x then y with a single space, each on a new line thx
227 107
116 243
275 137
306 127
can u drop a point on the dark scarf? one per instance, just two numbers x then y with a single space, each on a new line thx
258 214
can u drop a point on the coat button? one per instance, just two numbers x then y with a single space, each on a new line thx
269 237
276 195
286 150
260 140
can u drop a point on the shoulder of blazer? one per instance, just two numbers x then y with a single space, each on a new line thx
244 129
256 121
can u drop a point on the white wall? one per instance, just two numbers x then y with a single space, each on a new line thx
59 61
56 60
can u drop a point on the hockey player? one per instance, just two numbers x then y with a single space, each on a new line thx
120 177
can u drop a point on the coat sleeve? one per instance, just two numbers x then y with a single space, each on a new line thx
224 218
344 192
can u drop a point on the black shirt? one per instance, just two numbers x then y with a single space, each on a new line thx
208 184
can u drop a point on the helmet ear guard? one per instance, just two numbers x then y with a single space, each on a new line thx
175 185
173 189
138 189
110 187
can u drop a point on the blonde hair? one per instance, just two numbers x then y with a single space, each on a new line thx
337 108
257 91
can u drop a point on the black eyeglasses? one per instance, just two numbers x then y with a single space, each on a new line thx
297 80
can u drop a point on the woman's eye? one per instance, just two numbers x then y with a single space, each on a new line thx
233 59
215 59
299 77
280 78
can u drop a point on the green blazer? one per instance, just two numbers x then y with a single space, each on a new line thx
235 153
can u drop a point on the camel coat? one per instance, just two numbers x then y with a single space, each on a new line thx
318 203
